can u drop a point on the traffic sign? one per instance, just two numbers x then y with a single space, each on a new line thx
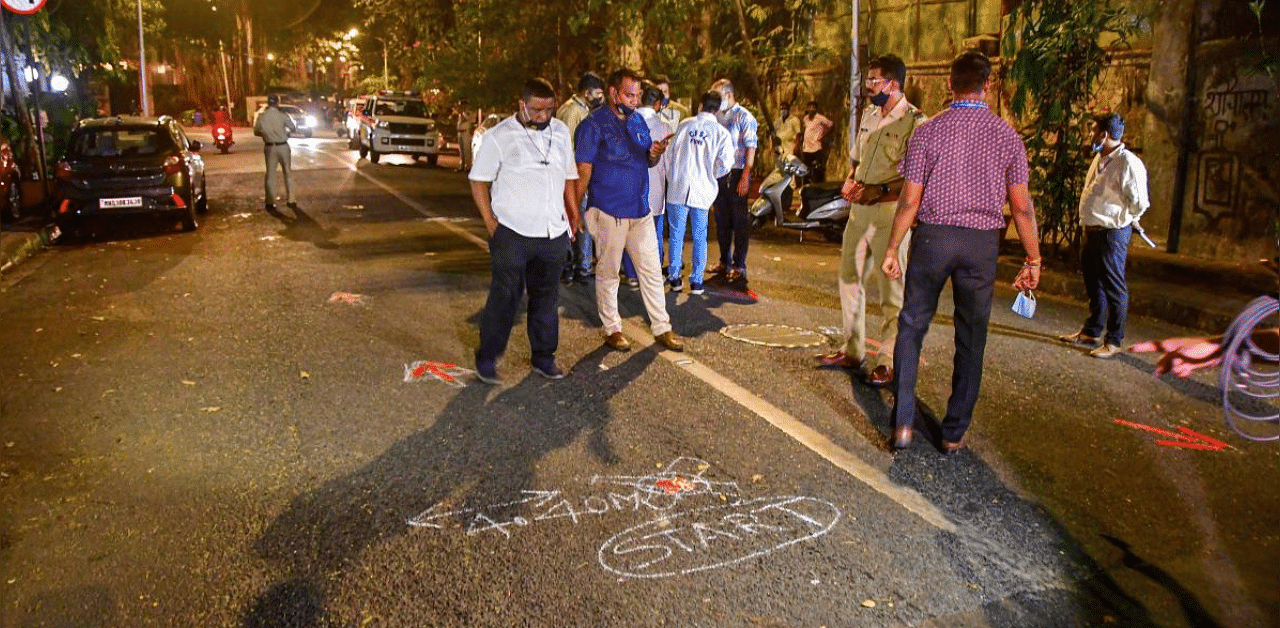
25 7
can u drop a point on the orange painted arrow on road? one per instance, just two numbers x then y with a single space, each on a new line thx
1188 438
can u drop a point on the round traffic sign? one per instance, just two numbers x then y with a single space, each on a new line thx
25 7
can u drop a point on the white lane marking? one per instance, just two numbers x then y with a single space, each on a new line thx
779 418
418 207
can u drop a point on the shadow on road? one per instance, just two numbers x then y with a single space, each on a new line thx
479 451
301 227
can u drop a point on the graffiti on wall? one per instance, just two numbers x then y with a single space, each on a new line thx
1236 119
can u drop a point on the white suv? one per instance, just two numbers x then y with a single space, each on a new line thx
397 122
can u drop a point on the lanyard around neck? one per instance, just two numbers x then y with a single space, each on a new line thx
969 104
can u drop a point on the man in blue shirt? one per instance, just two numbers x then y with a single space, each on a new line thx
614 151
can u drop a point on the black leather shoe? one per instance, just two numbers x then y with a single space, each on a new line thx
901 437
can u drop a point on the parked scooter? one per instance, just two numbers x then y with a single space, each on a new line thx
822 208
222 137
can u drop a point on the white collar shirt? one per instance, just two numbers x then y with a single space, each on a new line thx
872 119
701 152
1115 190
528 170
659 129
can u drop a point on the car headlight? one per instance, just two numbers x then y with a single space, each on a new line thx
382 124
309 120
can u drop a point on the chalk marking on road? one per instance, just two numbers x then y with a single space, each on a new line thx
791 426
801 433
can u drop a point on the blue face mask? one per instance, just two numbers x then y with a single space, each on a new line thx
666 100
879 99
625 110
1097 148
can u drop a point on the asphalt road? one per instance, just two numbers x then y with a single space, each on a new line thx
199 430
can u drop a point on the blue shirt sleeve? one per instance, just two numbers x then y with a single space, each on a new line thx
750 130
586 141
638 132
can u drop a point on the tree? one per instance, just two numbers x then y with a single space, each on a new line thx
1056 64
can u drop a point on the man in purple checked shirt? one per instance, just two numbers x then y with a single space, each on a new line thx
959 169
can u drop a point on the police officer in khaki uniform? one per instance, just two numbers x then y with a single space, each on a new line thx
872 188
274 126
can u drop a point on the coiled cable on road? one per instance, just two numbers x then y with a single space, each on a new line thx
1249 372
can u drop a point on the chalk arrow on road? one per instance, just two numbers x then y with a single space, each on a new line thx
1189 439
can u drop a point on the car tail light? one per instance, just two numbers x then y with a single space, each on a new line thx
177 200
172 165
65 207
63 171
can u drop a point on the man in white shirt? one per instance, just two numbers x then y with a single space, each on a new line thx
1114 198
519 183
701 153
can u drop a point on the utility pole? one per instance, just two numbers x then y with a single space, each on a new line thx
855 76
142 66
226 85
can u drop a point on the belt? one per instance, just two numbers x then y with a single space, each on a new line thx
887 198
274 143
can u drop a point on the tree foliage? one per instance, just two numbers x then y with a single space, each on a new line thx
1056 64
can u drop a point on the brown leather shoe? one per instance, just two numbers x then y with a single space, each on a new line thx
617 342
901 437
880 376
838 359
670 340
718 269
950 448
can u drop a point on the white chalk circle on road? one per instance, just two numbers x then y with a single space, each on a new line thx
768 335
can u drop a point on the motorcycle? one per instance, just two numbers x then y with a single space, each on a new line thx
222 137
822 208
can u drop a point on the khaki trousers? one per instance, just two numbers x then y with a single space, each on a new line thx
635 236
277 155
866 236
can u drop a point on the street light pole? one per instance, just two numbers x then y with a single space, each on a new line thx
142 66
386 84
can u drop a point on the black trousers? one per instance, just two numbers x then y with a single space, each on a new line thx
733 222
521 264
967 257
1103 260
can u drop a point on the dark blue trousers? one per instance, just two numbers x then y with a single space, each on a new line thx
733 222
521 264
1103 260
967 257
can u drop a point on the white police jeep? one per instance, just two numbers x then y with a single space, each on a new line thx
397 122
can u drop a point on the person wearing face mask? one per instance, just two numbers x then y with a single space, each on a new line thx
1114 198
588 97
671 111
733 222
614 150
522 184
872 188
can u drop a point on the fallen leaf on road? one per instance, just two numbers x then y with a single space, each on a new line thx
187 382
304 375
57 389
757 477
869 603
211 408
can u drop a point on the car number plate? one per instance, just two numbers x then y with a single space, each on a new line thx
128 201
